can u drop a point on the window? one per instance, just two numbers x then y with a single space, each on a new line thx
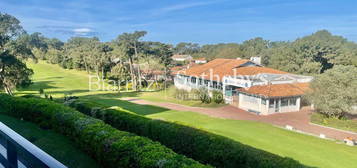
200 81
292 101
284 102
206 82
264 101
214 84
193 80
219 86
250 99
271 103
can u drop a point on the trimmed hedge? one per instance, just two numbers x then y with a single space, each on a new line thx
200 145
109 146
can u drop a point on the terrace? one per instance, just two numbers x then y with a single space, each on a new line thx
16 151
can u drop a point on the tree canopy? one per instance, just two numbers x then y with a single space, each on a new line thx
13 50
334 92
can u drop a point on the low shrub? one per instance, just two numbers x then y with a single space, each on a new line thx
204 96
344 123
109 146
181 94
200 145
217 97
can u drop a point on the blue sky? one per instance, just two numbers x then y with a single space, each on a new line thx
173 21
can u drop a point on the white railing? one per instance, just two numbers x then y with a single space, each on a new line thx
16 151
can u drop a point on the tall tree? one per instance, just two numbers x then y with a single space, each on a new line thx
334 92
313 54
186 48
13 47
131 43
254 47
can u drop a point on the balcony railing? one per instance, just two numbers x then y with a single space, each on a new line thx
16 151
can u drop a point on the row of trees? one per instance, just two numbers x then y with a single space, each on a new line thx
125 58
312 54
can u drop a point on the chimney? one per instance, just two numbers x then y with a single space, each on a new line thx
256 60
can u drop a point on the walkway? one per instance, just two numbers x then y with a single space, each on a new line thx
299 120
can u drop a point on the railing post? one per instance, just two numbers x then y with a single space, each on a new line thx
11 154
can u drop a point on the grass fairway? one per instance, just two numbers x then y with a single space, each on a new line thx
58 146
168 96
308 150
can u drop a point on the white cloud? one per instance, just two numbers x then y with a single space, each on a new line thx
181 7
82 31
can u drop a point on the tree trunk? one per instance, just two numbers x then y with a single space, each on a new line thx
132 74
139 73
86 66
8 90
103 76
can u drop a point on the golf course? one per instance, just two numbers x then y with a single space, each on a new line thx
308 150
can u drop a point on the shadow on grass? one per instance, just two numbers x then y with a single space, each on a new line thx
39 85
58 77
68 92
112 99
36 86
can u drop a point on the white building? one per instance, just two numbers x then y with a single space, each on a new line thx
200 61
181 58
247 85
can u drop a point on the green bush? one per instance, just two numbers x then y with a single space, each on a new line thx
344 123
217 97
205 147
109 146
204 96
181 94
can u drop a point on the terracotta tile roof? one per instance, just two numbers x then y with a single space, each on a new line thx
257 70
219 68
226 67
277 90
177 69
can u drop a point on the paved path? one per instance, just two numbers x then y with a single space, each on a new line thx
299 120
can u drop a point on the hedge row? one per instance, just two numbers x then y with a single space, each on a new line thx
109 146
202 146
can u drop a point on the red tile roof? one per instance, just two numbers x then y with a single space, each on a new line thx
277 90
218 67
226 67
257 70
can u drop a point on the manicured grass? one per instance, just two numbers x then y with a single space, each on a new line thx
167 95
308 150
57 82
344 124
58 146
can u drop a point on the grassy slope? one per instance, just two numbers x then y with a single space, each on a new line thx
306 149
58 146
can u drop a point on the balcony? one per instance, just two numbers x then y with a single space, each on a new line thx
17 152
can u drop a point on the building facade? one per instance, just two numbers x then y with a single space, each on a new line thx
247 85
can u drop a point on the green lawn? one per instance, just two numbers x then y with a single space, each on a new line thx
57 82
167 95
58 146
308 150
